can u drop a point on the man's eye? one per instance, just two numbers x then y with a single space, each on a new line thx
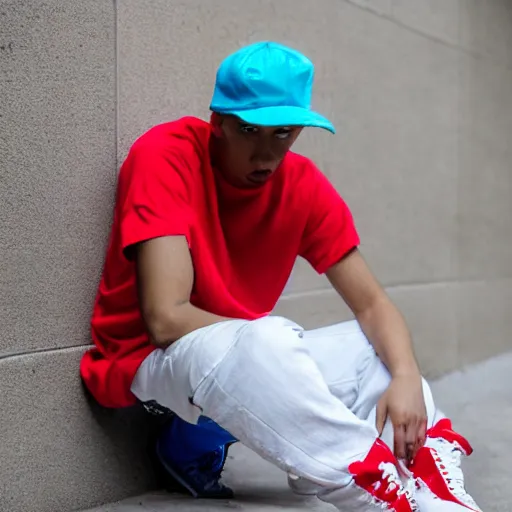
247 128
283 134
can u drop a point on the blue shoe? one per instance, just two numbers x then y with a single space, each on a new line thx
201 478
196 470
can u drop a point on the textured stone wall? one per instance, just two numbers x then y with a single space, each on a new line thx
421 93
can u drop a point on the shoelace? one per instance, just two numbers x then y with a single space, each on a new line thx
391 479
448 458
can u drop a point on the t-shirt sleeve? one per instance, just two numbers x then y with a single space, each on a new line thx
153 197
330 232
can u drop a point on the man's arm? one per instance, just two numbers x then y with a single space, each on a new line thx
379 318
165 276
386 330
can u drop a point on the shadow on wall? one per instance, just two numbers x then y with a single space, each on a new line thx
131 432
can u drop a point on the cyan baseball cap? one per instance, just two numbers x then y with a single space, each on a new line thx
267 84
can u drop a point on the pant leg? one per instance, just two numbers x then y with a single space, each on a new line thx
355 374
350 367
258 381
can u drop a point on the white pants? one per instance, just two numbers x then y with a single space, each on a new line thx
300 399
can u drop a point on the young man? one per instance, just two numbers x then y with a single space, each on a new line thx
209 220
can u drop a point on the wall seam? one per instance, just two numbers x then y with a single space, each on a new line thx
116 80
409 28
468 51
399 286
23 353
455 246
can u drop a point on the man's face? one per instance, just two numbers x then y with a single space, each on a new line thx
248 155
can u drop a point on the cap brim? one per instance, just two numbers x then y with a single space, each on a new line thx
284 116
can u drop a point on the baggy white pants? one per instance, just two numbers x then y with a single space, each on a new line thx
300 399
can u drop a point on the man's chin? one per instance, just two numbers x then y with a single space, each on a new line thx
259 178
250 181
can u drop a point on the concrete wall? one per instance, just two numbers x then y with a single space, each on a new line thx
421 92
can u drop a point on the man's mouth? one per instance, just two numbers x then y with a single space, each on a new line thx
260 175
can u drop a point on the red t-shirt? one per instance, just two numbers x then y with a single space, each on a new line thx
243 242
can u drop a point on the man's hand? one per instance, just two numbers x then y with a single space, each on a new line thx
404 404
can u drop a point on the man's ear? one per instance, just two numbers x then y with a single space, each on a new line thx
216 124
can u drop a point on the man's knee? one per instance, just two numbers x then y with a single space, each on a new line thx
270 333
264 345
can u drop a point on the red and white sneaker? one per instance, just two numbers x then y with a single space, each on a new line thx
378 475
437 465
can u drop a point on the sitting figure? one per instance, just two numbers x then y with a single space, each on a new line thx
209 220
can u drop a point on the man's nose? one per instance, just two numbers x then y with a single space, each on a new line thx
264 156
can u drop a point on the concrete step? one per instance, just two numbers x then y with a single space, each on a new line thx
479 400
258 486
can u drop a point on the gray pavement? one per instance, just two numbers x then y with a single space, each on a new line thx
478 399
